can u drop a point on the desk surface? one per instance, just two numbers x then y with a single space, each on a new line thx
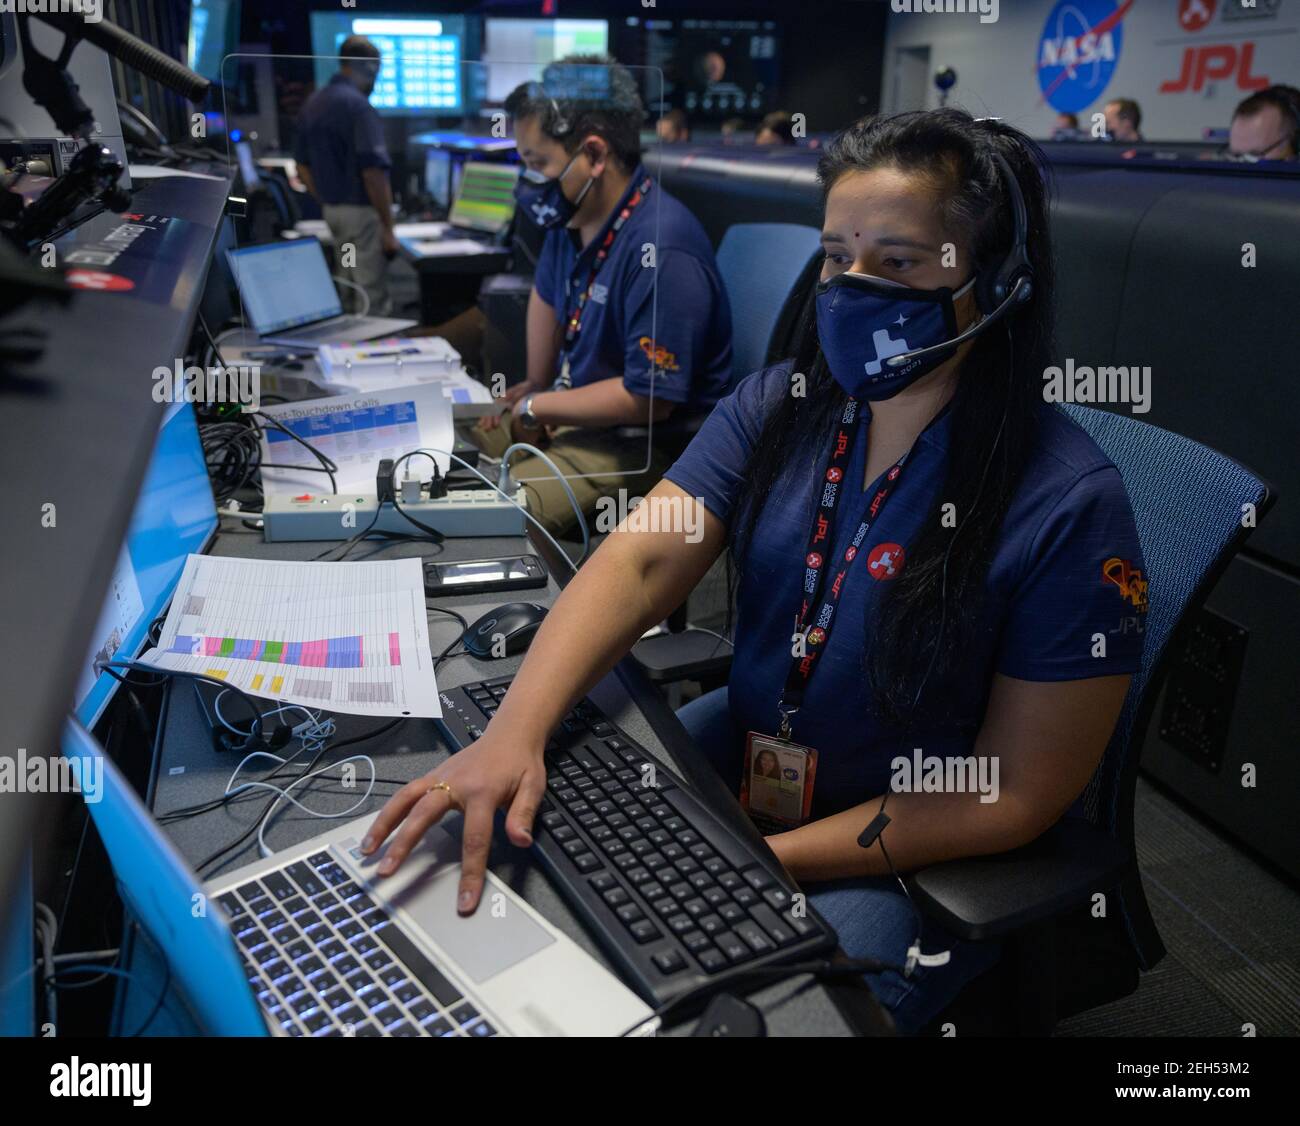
189 771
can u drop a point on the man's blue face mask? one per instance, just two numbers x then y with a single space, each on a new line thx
543 200
863 320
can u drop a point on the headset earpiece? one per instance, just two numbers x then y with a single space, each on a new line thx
993 287
559 123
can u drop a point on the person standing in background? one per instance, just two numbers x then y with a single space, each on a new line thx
343 161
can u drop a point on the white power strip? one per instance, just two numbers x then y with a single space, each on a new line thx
317 516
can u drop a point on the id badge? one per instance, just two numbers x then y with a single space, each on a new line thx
777 786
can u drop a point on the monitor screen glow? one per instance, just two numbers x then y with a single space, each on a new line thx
174 516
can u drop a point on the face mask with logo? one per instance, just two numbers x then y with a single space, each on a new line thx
542 199
862 321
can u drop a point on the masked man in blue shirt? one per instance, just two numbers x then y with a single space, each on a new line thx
629 329
344 162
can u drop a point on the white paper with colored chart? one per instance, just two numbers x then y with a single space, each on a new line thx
342 637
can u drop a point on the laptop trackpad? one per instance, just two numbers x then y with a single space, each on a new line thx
497 936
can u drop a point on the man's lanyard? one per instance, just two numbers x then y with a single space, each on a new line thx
573 323
820 539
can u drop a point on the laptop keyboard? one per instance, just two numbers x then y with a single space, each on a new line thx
324 959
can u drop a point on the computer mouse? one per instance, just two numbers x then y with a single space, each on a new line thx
504 631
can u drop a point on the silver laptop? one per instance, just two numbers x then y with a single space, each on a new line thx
310 943
289 297
482 211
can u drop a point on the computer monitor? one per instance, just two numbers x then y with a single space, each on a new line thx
516 50
214 34
420 73
284 284
437 176
486 199
712 68
174 516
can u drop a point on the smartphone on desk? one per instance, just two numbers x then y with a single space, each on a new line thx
482 576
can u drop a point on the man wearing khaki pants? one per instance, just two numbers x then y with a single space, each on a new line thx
629 327
344 162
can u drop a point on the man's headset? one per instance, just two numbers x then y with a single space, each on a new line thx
999 291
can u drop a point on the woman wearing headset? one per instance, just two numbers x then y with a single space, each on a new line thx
935 569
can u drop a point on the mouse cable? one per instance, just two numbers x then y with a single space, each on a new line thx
464 623
437 661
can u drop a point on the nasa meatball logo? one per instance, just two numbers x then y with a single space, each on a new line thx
1079 50
835 475
814 560
885 561
98 279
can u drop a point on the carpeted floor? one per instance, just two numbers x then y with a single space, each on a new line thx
1232 929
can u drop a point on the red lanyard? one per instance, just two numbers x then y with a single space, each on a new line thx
817 635
573 323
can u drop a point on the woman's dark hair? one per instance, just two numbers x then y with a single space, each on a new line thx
932 606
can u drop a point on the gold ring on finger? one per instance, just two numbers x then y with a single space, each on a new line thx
440 785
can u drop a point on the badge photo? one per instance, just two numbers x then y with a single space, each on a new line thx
777 785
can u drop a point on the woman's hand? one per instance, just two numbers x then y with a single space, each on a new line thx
496 772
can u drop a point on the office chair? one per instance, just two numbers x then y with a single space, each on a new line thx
763 266
1057 958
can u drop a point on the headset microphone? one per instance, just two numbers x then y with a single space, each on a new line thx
1021 291
1012 285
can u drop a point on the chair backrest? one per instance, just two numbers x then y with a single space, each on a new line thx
760 264
1189 502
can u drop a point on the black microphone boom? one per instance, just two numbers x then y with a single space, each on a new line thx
1020 293
135 53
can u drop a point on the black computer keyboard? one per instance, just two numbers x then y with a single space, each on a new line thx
674 896
324 959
